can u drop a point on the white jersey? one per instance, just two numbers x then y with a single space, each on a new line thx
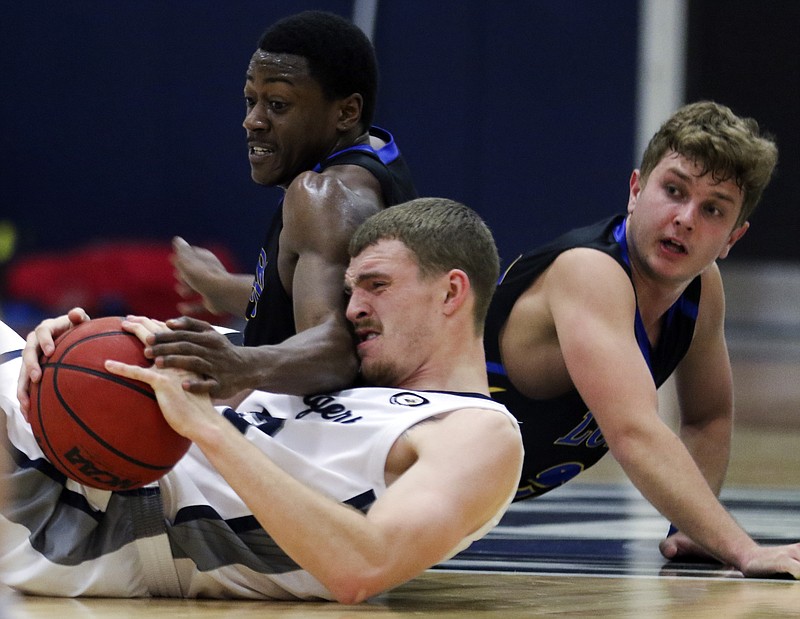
190 535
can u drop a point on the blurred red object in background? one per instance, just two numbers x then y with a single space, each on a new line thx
110 278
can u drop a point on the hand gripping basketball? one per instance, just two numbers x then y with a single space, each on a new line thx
98 428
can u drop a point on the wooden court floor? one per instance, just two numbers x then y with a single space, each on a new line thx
618 572
498 596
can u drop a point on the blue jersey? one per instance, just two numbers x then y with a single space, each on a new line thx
560 435
270 313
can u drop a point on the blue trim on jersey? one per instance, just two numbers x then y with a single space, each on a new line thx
10 355
638 326
687 308
362 502
681 306
496 368
236 420
386 154
463 394
237 337
199 533
266 423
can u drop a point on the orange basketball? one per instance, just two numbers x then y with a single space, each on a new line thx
99 429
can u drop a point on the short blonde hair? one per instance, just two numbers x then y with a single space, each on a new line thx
442 235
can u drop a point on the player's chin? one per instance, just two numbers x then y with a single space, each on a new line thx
263 176
377 373
270 176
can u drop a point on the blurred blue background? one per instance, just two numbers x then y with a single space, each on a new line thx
122 120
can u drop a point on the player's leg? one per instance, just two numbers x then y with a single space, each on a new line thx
56 538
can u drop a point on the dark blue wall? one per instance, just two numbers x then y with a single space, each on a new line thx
123 119
758 76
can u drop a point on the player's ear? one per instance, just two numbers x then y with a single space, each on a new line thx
635 187
458 288
737 234
349 112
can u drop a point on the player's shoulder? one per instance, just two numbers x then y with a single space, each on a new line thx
311 187
586 269
319 205
712 297
489 427
336 182
711 277
582 258
484 416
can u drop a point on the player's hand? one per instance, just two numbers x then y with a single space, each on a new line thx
41 341
679 546
196 272
194 345
181 409
773 562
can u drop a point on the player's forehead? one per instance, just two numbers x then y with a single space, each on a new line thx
385 258
265 67
696 174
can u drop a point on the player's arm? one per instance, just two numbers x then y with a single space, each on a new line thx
439 500
42 341
323 216
435 503
705 395
593 307
318 223
320 215
705 387
199 272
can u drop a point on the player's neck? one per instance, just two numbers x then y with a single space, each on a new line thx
461 369
351 138
654 298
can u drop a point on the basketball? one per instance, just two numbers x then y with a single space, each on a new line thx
99 429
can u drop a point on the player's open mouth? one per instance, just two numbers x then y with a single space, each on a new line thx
673 247
261 151
365 335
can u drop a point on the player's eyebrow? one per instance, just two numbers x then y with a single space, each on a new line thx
351 281
250 78
688 178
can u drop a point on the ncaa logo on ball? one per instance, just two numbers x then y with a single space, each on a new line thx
87 467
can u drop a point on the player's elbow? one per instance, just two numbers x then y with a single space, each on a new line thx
335 375
350 595
355 587
372 571
629 445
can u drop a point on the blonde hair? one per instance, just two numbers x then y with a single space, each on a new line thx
725 145
442 235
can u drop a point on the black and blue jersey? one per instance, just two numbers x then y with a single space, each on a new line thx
560 434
